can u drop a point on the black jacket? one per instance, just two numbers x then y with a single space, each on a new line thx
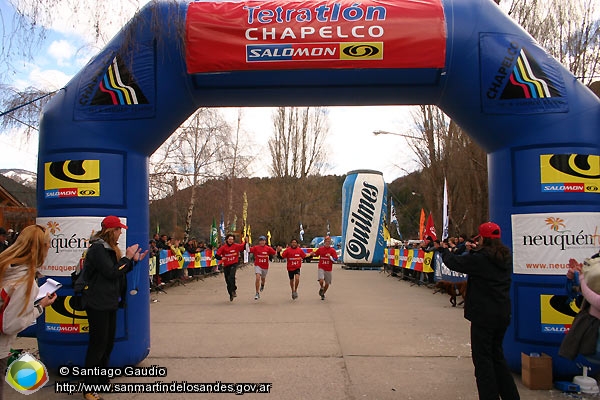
488 286
105 276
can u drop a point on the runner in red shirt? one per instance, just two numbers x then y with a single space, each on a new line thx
229 254
327 255
261 263
294 256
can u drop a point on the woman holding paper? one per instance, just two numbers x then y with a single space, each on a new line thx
19 264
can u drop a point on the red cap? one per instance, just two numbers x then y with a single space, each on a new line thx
489 230
112 222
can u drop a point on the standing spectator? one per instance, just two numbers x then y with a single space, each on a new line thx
192 248
428 246
327 255
294 256
262 252
461 246
11 237
18 268
229 253
105 275
177 249
3 239
488 307
162 242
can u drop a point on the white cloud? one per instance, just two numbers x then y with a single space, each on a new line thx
49 79
18 151
62 51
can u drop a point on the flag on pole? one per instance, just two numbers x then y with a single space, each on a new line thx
429 228
222 228
245 209
394 218
269 238
301 232
445 212
214 241
421 224
386 233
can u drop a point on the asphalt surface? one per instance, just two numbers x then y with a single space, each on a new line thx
373 337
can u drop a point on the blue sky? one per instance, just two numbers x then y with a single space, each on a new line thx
351 144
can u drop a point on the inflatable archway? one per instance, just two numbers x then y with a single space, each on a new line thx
538 124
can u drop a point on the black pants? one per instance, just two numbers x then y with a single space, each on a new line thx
229 273
103 326
493 377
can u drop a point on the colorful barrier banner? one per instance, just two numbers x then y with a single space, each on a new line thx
169 260
276 35
414 259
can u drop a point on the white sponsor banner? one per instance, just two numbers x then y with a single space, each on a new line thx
69 237
544 243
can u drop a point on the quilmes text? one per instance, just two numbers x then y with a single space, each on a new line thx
362 223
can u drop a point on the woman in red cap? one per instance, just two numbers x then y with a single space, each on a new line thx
488 307
105 269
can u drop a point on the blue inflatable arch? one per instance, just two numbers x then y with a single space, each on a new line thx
538 124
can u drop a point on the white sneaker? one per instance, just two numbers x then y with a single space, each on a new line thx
256 296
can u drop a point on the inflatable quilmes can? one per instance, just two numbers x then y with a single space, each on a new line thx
364 201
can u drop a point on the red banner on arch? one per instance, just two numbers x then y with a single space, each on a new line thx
278 34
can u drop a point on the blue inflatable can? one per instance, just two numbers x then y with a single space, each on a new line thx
364 201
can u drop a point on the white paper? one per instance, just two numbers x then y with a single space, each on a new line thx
49 287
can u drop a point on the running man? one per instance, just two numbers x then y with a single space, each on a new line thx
261 263
294 256
327 255
229 253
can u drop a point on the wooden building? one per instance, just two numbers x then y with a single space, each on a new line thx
17 205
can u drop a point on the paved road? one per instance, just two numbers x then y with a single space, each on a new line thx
374 337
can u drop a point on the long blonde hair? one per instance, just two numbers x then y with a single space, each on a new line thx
29 250
107 234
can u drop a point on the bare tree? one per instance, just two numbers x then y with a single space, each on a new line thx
202 148
297 145
22 109
568 29
444 151
297 151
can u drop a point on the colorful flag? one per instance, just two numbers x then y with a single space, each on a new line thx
214 241
222 228
429 228
445 212
301 232
245 209
386 233
421 224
